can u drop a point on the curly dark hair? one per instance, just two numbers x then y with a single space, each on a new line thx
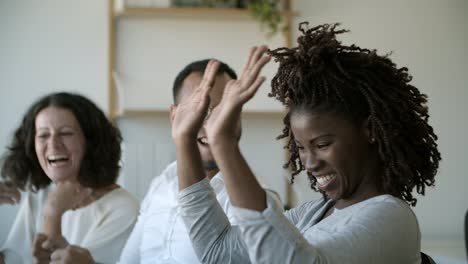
322 74
100 165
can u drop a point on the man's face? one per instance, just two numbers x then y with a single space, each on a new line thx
188 86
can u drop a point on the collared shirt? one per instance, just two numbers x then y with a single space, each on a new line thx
382 229
160 235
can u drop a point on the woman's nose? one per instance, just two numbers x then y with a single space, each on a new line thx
312 163
55 141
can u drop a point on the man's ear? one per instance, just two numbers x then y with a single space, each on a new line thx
368 131
172 110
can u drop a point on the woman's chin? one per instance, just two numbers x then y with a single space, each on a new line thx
61 178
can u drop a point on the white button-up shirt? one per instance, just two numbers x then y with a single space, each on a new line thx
160 235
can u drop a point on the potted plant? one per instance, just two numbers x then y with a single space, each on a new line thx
268 13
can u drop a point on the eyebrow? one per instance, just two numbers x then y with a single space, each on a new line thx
60 128
317 138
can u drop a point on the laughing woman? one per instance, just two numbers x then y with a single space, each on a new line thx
355 125
66 153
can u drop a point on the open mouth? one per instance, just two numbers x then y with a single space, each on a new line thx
325 179
57 160
203 141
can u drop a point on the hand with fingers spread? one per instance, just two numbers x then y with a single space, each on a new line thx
187 119
224 119
71 255
222 127
9 194
189 114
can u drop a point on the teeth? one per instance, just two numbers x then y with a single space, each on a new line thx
204 140
325 179
57 157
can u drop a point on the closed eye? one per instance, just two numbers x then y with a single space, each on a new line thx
42 136
323 145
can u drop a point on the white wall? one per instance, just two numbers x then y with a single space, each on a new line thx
430 37
152 50
150 53
46 46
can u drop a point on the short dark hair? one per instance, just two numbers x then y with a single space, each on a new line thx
100 165
323 75
197 66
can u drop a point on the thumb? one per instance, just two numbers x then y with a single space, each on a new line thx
47 244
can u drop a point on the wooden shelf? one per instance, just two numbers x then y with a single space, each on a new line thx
124 14
190 12
118 10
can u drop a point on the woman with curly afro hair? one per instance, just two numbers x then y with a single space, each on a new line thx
354 124
66 154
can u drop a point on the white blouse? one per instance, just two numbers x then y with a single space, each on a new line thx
102 227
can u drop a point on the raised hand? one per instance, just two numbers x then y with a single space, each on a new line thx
9 194
66 196
224 120
189 114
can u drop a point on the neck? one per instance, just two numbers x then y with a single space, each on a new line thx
367 188
343 203
97 194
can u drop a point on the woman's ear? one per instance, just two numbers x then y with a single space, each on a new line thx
368 131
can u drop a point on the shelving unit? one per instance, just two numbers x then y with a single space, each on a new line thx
188 13
177 14
204 12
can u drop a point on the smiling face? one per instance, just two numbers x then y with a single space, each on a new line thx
59 143
337 153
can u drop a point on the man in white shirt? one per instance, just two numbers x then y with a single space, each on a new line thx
160 235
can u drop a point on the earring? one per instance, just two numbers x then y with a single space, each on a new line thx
372 140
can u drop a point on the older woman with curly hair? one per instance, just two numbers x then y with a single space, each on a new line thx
354 124
66 153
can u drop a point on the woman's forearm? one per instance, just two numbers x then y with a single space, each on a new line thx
241 184
52 226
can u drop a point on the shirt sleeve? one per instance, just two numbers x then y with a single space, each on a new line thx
213 238
18 245
372 236
271 230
